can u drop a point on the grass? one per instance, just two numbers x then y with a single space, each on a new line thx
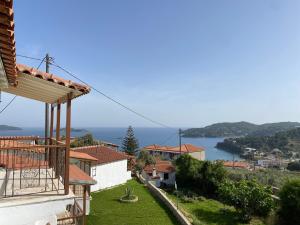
210 212
106 209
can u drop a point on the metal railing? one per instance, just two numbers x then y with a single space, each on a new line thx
74 216
28 166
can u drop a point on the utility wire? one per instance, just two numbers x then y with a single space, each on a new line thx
28 57
112 99
8 104
41 63
101 93
169 138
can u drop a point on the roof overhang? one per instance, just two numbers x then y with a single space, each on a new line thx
44 87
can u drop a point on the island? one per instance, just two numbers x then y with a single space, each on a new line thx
239 129
8 128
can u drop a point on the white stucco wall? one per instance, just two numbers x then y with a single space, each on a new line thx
198 155
110 174
35 213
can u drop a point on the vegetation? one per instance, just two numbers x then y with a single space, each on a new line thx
270 177
144 159
289 211
248 197
294 166
130 143
239 129
107 209
202 211
286 141
85 140
7 128
202 177
129 197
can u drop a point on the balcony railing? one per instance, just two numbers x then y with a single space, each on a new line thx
31 165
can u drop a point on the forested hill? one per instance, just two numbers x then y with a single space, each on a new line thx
286 141
7 128
240 129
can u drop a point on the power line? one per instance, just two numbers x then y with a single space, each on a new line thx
28 57
101 93
8 104
41 63
169 138
112 99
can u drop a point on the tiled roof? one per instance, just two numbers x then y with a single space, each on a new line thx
185 148
103 154
77 176
243 165
160 167
52 78
7 40
82 155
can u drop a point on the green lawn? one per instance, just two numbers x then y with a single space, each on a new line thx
107 210
210 212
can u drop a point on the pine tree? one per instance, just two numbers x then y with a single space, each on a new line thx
130 143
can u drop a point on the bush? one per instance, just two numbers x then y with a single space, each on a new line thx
294 166
289 211
199 176
248 197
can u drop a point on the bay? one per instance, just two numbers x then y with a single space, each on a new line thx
145 136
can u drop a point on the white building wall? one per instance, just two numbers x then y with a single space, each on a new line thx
110 174
198 155
36 213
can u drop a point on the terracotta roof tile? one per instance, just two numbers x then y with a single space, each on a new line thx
185 148
82 155
160 167
243 165
103 154
52 78
7 40
77 176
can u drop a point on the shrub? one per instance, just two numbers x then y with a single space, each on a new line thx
248 197
289 211
200 176
294 166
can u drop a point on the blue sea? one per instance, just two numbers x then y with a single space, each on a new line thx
145 136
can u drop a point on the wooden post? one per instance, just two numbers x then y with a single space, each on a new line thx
68 137
50 150
84 205
57 138
58 122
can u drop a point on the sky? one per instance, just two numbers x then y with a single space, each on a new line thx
182 63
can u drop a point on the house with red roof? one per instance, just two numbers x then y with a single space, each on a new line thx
109 167
161 173
170 152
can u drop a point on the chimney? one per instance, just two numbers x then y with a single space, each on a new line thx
154 172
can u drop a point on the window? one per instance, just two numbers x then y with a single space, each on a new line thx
93 171
166 176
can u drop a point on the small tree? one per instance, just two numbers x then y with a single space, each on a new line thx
248 197
289 211
144 159
130 143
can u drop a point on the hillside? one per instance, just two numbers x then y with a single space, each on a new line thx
7 128
239 129
286 141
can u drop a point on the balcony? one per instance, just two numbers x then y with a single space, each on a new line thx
31 166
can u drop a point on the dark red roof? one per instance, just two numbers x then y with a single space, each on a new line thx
103 154
161 167
185 148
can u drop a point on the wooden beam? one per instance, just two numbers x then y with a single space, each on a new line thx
58 121
84 204
68 137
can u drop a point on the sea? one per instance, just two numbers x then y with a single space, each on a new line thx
145 136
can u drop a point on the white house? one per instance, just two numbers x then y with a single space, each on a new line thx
110 169
169 152
162 173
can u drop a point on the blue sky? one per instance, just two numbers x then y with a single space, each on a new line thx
183 63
